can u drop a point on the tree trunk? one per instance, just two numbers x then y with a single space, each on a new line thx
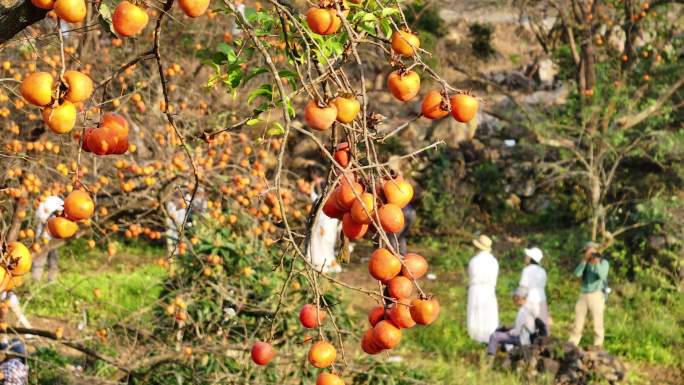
15 15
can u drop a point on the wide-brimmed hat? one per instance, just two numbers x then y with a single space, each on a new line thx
535 254
483 242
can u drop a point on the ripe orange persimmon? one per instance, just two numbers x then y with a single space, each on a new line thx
61 228
319 118
400 315
97 141
342 154
262 353
311 317
400 287
362 210
72 11
415 266
432 106
424 311
463 107
386 335
391 218
322 354
62 118
376 315
128 19
383 265
325 378
79 86
405 43
78 205
347 108
19 258
368 343
194 8
36 88
330 207
43 4
352 229
347 193
323 21
398 191
403 86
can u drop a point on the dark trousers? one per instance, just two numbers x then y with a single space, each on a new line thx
499 338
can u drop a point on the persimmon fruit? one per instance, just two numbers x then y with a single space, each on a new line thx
61 228
342 154
129 19
386 335
383 265
391 218
463 107
322 354
194 8
79 86
19 257
432 106
352 229
323 21
319 118
361 209
311 317
398 191
376 315
400 287
262 353
403 86
327 378
400 315
415 266
36 88
78 205
62 118
347 108
405 43
72 11
424 311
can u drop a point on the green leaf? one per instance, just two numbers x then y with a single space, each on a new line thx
252 122
265 90
276 129
255 72
105 19
388 12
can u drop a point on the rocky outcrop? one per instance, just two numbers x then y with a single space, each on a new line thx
563 361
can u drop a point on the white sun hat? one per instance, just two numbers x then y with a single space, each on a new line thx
535 254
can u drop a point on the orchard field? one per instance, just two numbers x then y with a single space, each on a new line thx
196 146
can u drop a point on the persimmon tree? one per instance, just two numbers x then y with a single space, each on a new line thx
625 67
110 111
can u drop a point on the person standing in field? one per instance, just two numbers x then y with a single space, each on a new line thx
533 280
593 270
324 235
483 312
46 208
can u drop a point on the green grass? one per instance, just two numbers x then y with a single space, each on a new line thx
129 281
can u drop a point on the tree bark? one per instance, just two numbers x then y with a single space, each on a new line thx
15 15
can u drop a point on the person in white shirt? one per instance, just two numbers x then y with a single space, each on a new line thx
483 311
324 235
176 209
524 327
534 280
46 208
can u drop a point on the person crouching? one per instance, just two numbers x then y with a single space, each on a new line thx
13 363
524 326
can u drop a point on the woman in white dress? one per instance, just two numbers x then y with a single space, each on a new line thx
483 311
534 280
324 234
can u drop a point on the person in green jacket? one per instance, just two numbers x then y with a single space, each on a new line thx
593 270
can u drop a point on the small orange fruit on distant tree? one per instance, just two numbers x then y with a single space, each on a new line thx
383 265
128 19
400 287
405 43
322 354
36 88
386 334
79 86
319 118
194 8
72 11
391 218
347 108
61 228
62 118
432 106
404 85
78 205
424 311
415 266
463 107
